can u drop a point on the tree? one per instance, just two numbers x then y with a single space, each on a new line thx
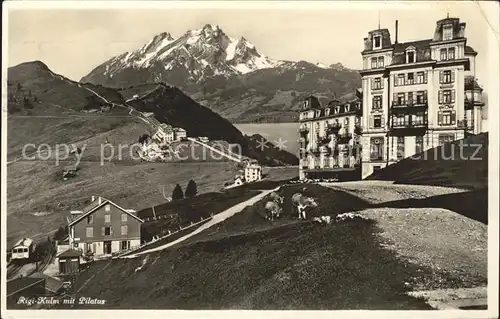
177 193
191 189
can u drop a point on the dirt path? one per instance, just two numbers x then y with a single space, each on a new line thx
215 220
229 156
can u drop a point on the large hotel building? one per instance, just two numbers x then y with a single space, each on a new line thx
415 96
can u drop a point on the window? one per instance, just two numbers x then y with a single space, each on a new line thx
410 79
125 244
380 63
377 84
107 218
400 120
107 207
447 32
107 231
443 53
421 97
447 76
327 112
377 42
410 57
401 79
377 148
446 96
451 54
90 231
445 138
419 119
377 102
90 219
124 230
419 144
401 148
421 78
446 117
346 123
318 113
124 217
400 99
374 63
377 121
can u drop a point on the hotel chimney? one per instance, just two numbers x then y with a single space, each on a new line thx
396 41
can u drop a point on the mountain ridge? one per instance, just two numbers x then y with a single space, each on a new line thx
227 75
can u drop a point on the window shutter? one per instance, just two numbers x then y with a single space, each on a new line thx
372 121
452 96
425 96
395 80
453 117
452 76
440 76
382 121
111 231
373 83
440 118
394 97
425 77
440 97
102 231
381 83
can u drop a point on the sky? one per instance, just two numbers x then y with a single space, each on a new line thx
74 41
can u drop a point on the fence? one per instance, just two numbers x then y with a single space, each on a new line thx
181 228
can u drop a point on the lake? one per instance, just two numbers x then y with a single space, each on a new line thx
288 132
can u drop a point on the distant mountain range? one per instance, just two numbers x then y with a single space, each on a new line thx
228 75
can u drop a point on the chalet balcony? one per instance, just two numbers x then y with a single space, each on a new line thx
413 128
304 131
323 140
316 151
344 138
333 128
409 106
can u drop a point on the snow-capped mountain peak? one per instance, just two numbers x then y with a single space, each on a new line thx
200 53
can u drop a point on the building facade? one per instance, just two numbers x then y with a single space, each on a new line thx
417 95
329 138
253 172
103 228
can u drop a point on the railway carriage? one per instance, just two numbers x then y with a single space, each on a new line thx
23 249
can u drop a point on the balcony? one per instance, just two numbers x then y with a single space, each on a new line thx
409 106
344 138
411 128
333 128
304 131
324 140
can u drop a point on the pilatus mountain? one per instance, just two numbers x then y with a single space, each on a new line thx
228 75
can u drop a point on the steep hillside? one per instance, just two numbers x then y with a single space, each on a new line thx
171 105
228 75
462 164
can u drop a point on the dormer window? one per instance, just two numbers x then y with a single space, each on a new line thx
317 113
377 42
346 108
411 56
447 32
327 112
337 110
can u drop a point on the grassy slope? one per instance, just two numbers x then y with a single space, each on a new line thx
252 264
433 167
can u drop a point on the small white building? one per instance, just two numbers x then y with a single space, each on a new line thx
179 133
164 134
253 172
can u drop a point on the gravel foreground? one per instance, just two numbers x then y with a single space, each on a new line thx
453 246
